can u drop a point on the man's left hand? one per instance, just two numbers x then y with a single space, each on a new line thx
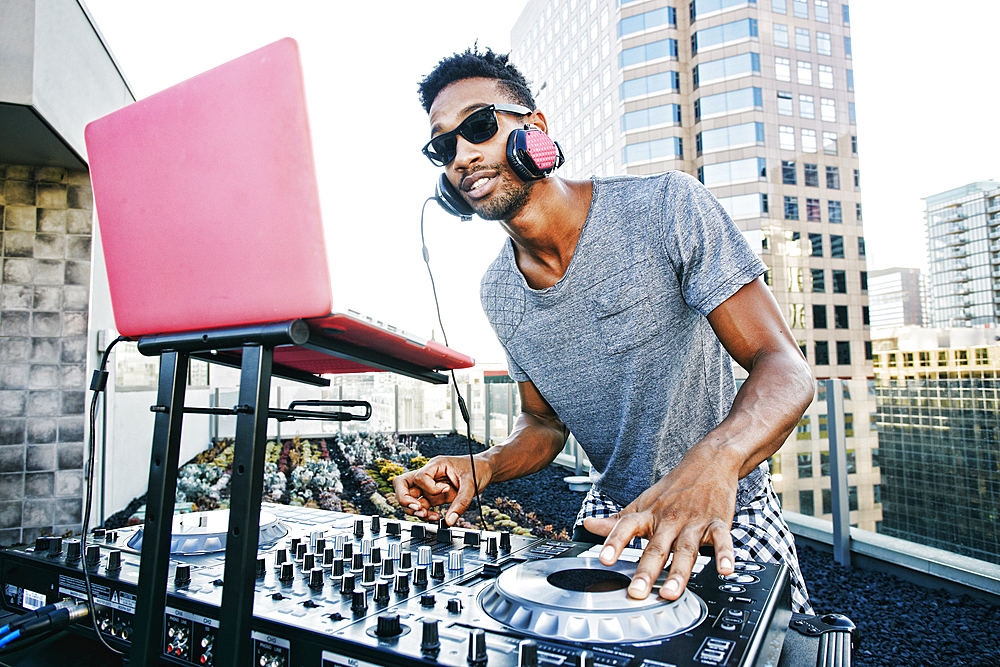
690 506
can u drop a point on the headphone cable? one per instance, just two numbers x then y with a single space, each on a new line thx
461 402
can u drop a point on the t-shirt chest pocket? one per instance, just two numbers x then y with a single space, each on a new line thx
624 310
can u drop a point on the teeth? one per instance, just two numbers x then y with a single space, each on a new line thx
481 181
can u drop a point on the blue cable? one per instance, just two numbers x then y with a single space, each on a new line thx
4 630
9 638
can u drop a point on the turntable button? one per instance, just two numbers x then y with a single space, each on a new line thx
471 539
427 600
454 606
477 646
429 641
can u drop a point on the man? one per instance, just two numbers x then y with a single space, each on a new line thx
616 300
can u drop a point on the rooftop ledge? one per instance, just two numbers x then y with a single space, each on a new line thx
922 565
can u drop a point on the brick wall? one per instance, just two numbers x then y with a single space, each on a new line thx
44 292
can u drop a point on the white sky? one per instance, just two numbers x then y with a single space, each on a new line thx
926 105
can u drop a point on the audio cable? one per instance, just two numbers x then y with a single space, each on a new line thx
461 401
98 385
51 617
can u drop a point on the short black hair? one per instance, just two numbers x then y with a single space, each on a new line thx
471 64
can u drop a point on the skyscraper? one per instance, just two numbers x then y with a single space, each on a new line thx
756 99
963 240
897 298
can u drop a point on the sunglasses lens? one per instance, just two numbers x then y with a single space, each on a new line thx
441 150
480 126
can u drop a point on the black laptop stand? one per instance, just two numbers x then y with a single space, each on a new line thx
251 348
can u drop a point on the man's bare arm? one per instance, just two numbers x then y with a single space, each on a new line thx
538 436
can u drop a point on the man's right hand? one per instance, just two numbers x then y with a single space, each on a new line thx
444 479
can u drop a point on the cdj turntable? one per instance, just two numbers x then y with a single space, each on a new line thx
339 590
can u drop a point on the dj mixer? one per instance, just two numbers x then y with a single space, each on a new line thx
341 590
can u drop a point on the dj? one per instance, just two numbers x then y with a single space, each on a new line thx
616 300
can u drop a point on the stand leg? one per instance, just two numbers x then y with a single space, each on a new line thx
247 482
147 640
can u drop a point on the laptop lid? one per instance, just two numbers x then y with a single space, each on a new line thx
207 200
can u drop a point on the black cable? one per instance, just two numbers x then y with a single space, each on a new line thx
97 384
461 402
59 616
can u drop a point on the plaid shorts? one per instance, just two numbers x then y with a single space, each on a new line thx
759 533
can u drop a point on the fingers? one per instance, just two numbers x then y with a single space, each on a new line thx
725 556
600 525
420 490
626 526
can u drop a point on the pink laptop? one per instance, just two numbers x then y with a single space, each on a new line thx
209 213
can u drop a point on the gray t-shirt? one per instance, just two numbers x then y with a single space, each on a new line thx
620 346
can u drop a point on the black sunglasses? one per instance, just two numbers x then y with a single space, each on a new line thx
478 127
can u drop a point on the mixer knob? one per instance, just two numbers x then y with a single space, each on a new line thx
293 545
308 562
420 578
320 545
585 659
527 653
261 568
347 584
182 576
454 606
388 567
72 551
491 546
287 572
505 541
280 556
338 541
338 568
444 535
392 528
358 562
301 550
55 546
110 537
376 556
41 545
329 555
382 591
423 556
402 583
472 538
418 532
366 547
388 626
393 553
427 600
477 647
406 560
114 560
437 569
348 550
359 528
376 524
359 600
430 641
98 533
316 578
313 536
455 560
93 555
368 575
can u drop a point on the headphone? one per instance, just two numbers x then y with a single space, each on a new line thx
531 154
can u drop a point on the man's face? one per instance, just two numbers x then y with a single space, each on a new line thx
480 171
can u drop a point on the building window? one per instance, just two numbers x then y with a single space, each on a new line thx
844 352
780 35
822 353
802 41
668 148
733 136
847 13
791 208
864 281
785 104
788 172
836 216
824 46
782 69
806 107
737 171
811 175
865 321
830 143
808 141
827 501
825 76
803 428
822 8
664 49
803 346
727 33
847 47
797 316
801 8
942 357
816 241
663 17
925 359
876 489
819 316
818 280
805 464
836 244
868 350
795 279
806 502
725 69
649 85
824 462
805 73
827 110
734 101
833 178
907 360
840 317
850 80
861 246
812 210
786 138
839 282
962 357
779 6
662 116
740 207
892 360
982 357
854 145
857 178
